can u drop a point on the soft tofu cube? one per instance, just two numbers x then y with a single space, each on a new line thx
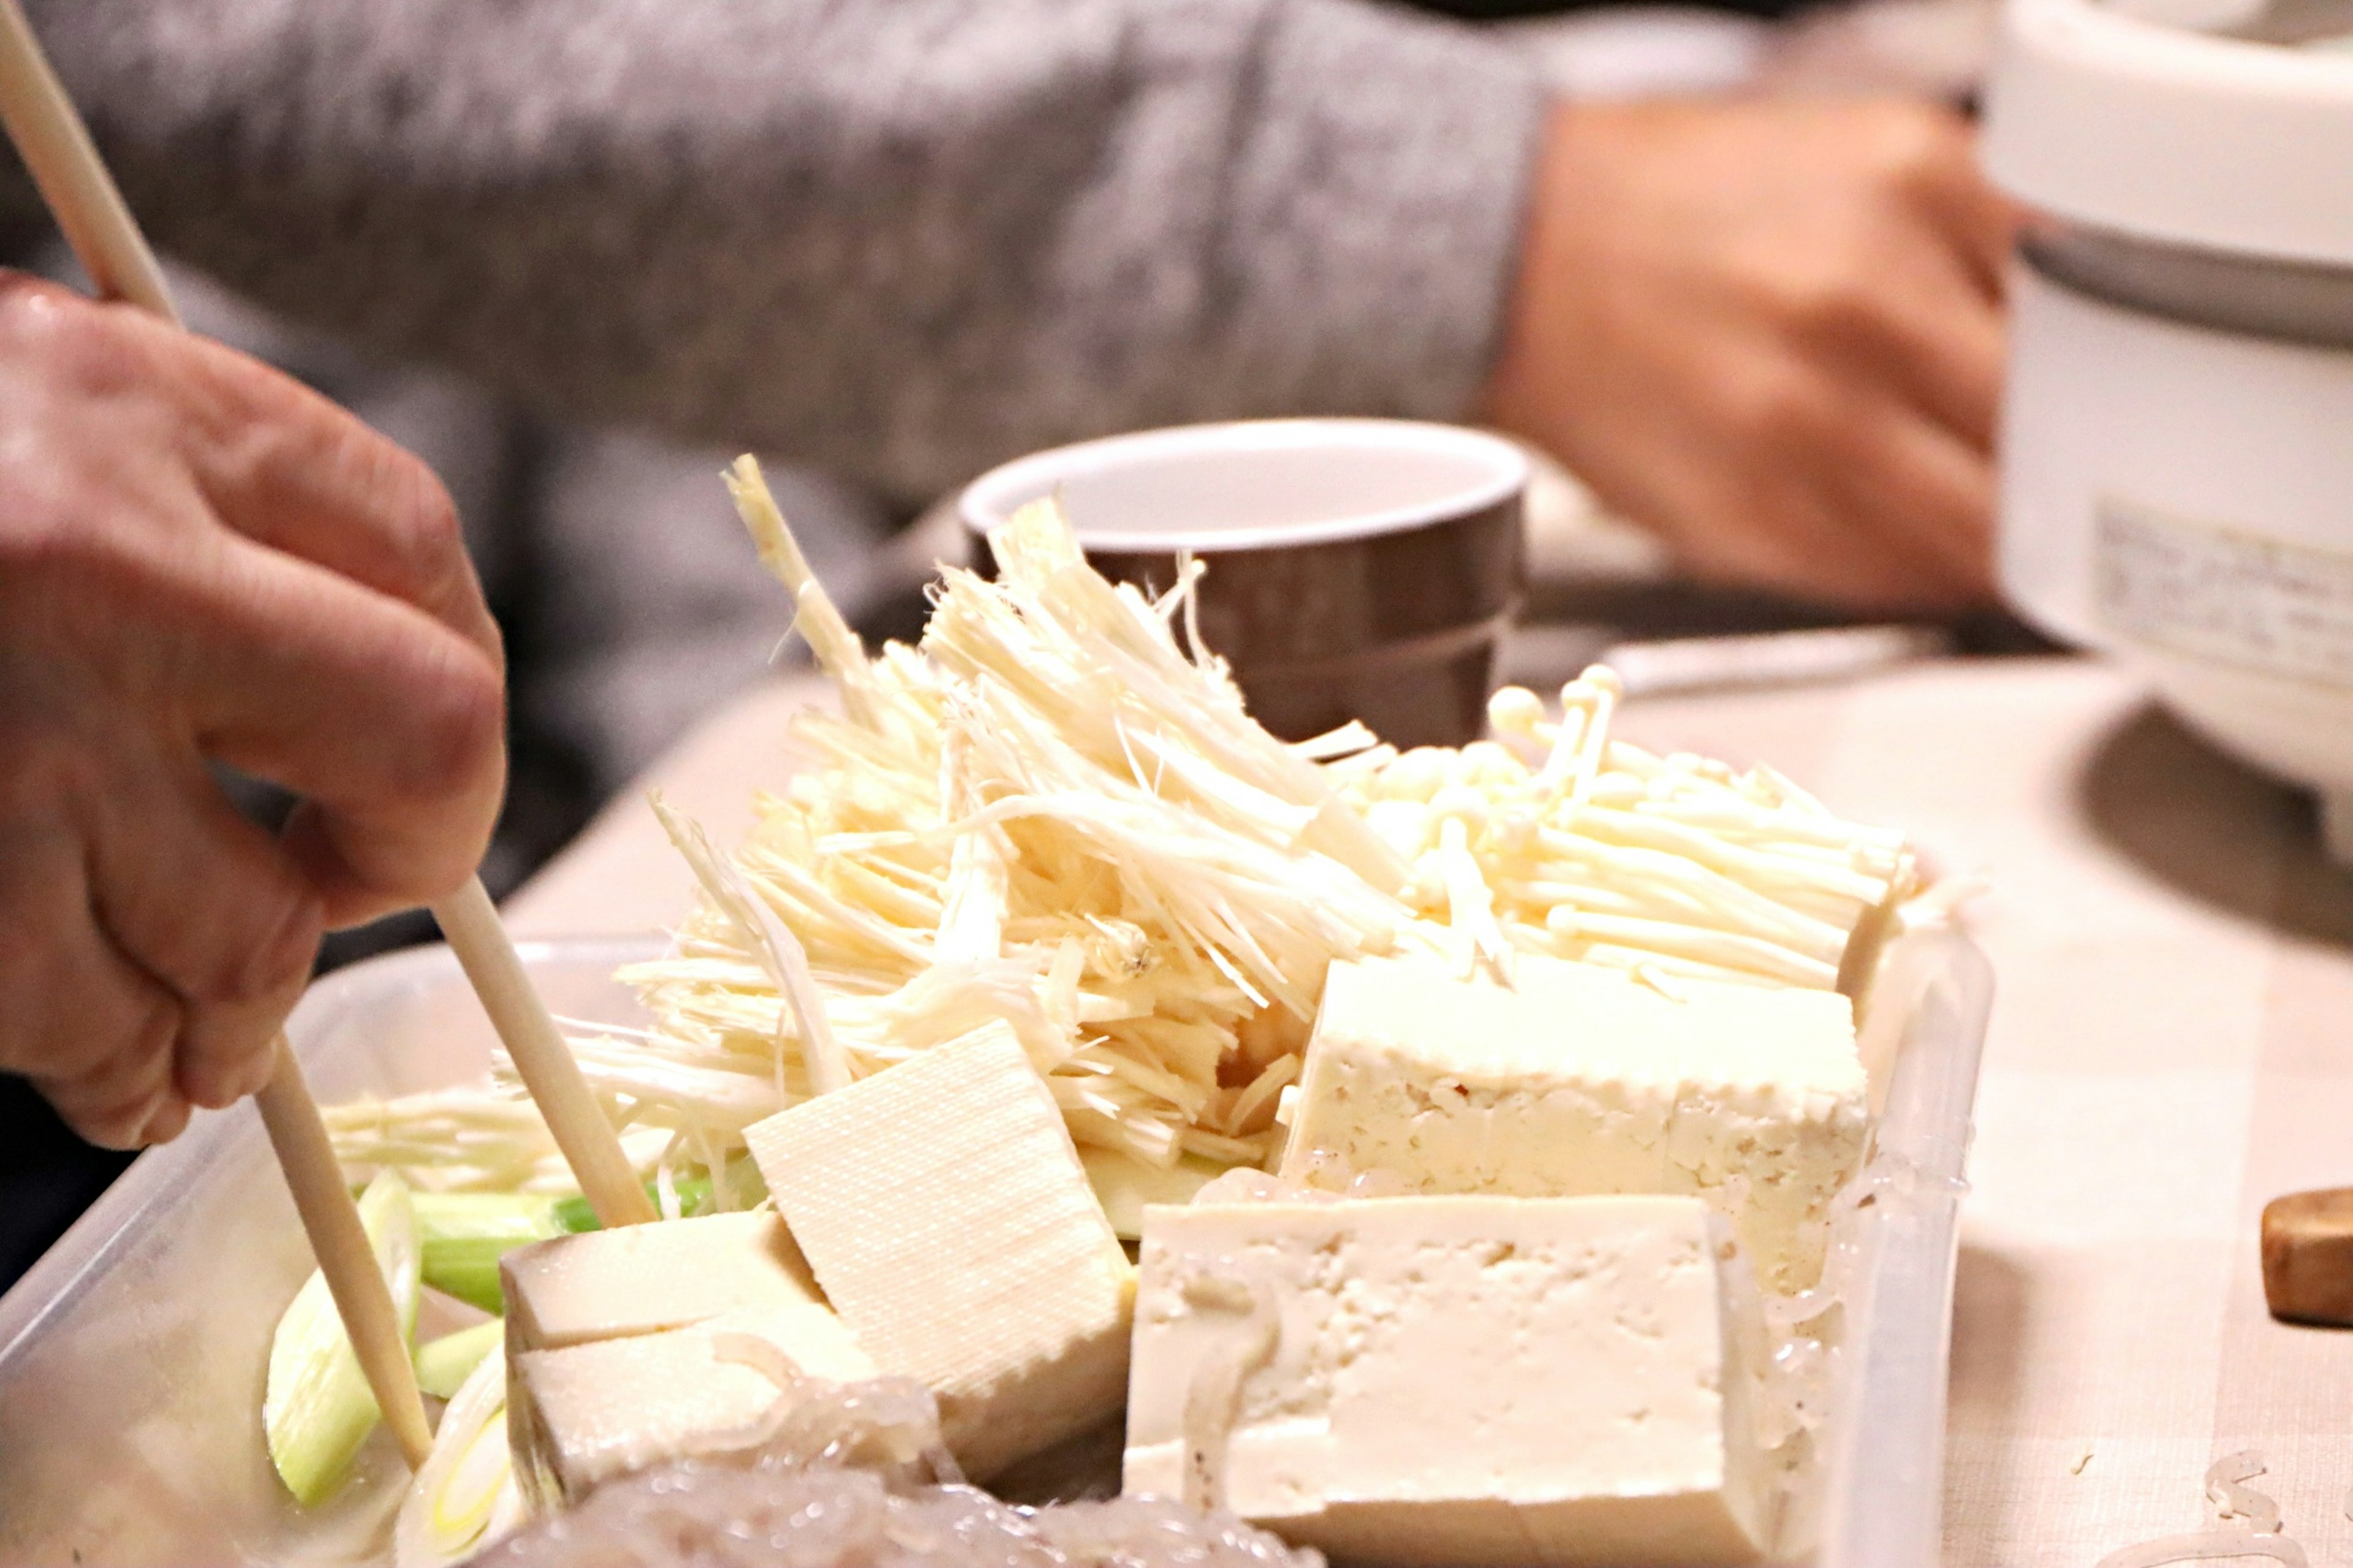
586 1412
1540 1381
1581 1080
644 1278
943 1207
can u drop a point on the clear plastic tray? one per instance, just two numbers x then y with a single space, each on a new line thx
131 1356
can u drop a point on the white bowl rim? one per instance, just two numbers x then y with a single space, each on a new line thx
991 498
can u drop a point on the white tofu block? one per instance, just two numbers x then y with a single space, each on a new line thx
1580 1080
943 1207
644 1278
1543 1383
587 1413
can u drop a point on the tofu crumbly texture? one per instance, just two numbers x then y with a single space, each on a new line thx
1550 1382
1582 1081
646 1279
943 1207
587 1413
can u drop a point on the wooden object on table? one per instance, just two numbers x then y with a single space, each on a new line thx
546 1063
2309 1256
55 146
341 1243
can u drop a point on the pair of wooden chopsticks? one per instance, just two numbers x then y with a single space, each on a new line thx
57 149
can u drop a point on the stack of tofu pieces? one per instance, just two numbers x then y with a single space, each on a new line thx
1532 1348
932 1222
1541 1357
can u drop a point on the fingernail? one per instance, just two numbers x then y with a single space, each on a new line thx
165 1124
217 1082
212 1084
258 1072
210 1087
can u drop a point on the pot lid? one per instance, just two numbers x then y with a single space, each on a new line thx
2222 124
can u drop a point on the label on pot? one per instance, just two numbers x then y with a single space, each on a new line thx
2195 588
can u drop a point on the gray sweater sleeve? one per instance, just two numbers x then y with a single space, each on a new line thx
899 238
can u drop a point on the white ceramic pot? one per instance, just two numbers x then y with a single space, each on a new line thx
2177 433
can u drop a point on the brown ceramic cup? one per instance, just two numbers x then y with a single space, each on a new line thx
1357 568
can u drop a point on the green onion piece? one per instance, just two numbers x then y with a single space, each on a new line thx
465 1498
1124 1184
444 1364
511 1216
318 1409
466 1233
693 1198
467 1267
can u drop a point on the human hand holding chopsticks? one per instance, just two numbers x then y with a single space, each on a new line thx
201 560
353 841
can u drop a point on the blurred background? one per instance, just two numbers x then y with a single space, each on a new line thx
301 167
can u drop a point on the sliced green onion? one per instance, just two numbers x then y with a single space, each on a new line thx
465 1498
467 1267
574 1214
466 1233
1124 1184
318 1409
692 1202
444 1364
512 1217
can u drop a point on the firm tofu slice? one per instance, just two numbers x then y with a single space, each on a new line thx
1583 1080
943 1207
1544 1381
644 1278
587 1413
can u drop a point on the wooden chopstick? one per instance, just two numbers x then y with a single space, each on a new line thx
341 1245
549 1071
64 163
82 196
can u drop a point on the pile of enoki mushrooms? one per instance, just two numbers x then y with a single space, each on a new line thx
1055 810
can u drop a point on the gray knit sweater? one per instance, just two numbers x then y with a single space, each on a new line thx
901 240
